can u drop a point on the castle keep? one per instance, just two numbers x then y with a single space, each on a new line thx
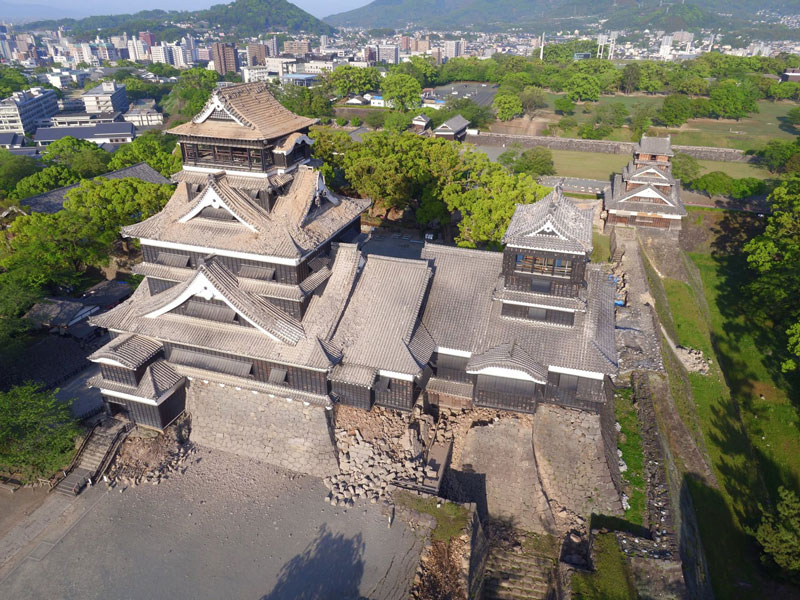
255 288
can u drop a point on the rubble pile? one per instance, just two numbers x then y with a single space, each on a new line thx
369 471
692 359
150 457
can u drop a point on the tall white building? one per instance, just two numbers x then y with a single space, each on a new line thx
390 54
138 50
453 48
106 97
162 53
23 110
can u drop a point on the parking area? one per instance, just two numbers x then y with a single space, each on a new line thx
228 527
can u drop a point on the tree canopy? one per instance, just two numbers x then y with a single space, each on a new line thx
155 148
49 178
779 534
84 158
37 432
773 256
401 90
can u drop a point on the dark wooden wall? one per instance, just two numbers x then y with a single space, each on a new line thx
557 317
559 286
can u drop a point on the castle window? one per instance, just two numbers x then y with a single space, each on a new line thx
563 268
536 313
540 286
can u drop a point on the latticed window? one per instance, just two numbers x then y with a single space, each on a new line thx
562 268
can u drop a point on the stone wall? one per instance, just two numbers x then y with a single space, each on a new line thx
602 146
574 468
499 459
280 433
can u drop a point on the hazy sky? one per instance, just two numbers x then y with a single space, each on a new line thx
318 8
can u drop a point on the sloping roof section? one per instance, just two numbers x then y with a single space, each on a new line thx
304 217
453 124
508 356
378 325
654 145
219 195
248 111
157 379
131 351
313 350
553 224
622 199
461 315
214 281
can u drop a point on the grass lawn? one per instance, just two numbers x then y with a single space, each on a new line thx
748 423
450 518
589 165
737 170
752 132
601 247
612 579
629 441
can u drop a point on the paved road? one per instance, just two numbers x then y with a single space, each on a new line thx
227 528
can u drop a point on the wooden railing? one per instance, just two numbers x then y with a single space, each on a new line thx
59 477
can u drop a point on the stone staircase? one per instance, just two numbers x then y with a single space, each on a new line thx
91 458
514 575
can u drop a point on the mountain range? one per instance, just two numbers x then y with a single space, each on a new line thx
242 18
485 14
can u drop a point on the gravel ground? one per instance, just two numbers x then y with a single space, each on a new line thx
228 527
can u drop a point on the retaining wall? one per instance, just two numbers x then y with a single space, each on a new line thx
602 146
574 467
288 435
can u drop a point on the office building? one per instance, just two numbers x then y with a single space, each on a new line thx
225 57
21 112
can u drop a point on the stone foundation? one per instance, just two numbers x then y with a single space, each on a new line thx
576 465
277 432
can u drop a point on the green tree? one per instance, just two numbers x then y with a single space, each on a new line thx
773 256
777 153
37 432
14 168
779 534
685 167
507 106
154 148
532 99
535 162
403 91
631 76
397 121
163 70
564 105
12 80
730 99
190 94
612 114
375 118
581 87
641 119
348 80
84 158
793 116
47 179
676 110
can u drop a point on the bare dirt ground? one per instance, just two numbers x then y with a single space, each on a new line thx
228 527
520 126
16 506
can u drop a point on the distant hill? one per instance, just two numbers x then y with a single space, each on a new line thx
14 12
451 14
243 18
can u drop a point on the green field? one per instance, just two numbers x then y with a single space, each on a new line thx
612 579
748 423
596 165
753 132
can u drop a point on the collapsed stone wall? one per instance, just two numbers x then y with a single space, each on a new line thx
572 451
288 435
603 146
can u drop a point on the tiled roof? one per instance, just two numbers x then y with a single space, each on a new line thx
461 315
454 124
451 388
289 142
157 379
53 201
630 172
256 115
508 356
85 132
654 145
242 182
378 325
312 351
553 224
130 350
354 374
301 221
621 199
